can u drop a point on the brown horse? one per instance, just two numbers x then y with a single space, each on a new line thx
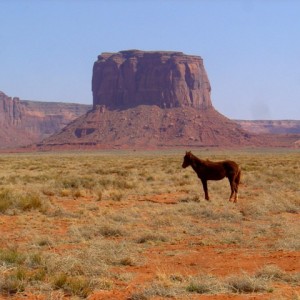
208 170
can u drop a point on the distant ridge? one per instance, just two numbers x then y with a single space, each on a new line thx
271 126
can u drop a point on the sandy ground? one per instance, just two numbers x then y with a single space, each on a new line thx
186 257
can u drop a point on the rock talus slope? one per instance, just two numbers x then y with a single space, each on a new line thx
150 127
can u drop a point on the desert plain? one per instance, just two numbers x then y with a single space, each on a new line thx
135 225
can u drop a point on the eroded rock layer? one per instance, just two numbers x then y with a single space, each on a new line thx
25 122
166 79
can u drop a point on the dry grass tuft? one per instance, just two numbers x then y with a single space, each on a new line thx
10 200
246 284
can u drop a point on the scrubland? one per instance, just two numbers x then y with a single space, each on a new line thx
135 225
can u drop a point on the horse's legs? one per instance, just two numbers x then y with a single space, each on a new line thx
235 188
232 187
237 182
235 192
204 184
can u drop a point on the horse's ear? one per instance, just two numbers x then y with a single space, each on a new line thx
188 153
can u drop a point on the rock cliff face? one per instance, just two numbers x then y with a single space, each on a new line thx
25 122
166 79
10 110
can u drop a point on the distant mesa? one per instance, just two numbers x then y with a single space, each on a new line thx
167 79
23 122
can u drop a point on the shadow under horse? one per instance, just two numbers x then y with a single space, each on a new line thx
208 170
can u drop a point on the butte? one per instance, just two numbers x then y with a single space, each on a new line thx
151 100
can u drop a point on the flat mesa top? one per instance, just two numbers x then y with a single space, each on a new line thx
141 53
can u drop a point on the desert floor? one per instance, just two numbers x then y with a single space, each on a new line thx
135 225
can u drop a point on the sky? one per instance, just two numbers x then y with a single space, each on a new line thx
250 48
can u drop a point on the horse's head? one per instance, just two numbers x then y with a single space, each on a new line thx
187 160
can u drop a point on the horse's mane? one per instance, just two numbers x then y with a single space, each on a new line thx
197 159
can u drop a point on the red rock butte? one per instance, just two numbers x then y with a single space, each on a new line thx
163 78
152 99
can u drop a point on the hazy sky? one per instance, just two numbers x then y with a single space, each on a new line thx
251 49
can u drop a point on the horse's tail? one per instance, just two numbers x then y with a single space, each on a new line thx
238 177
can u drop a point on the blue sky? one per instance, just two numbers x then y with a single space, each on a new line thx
250 48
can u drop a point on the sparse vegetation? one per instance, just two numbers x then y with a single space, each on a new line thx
75 224
247 284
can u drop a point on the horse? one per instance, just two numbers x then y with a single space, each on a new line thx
208 170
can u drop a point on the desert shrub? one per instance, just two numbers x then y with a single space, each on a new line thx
78 286
42 241
151 237
34 260
11 284
65 192
75 286
247 284
99 195
155 289
29 201
11 257
199 288
123 184
116 195
6 200
204 284
288 238
127 261
48 192
77 182
103 253
138 296
23 202
110 231
274 273
70 265
59 280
